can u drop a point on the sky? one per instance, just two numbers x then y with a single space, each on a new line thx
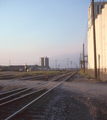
30 29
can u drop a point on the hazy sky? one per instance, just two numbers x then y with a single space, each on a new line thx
30 29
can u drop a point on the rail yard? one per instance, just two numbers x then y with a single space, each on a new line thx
65 96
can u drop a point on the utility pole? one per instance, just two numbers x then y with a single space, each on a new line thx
9 64
94 41
58 66
71 65
56 63
83 60
74 66
80 61
67 63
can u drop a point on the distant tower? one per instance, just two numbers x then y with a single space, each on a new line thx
46 62
42 61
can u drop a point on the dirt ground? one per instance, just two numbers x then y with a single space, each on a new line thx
76 99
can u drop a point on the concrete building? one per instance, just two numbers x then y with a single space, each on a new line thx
42 61
97 10
46 62
101 35
23 68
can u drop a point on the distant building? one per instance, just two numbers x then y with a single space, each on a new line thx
23 68
44 62
44 65
12 68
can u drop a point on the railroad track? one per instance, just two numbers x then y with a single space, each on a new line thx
33 77
15 103
43 77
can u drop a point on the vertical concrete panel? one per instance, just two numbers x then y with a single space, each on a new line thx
88 33
104 39
100 49
101 40
89 16
90 48
97 41
105 34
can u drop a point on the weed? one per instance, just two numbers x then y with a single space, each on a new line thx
35 73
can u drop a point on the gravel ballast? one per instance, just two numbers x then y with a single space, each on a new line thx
76 99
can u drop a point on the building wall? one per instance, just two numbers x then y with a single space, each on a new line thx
42 68
106 34
101 40
90 48
42 61
46 62
97 10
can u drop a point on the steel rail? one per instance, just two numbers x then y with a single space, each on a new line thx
18 98
26 78
18 93
21 96
71 76
32 102
29 88
61 76
8 92
32 77
36 100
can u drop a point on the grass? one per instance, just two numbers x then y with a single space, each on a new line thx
86 75
35 73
